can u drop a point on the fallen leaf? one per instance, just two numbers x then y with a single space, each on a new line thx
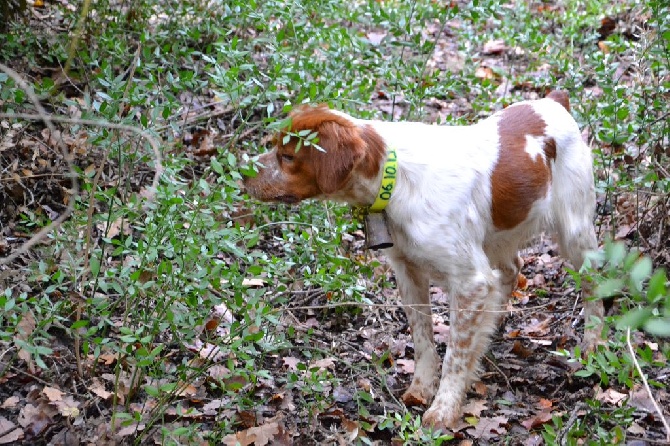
375 38
218 372
342 395
325 363
259 436
610 396
623 232
521 281
494 47
291 362
604 47
97 387
489 427
68 407
475 408
480 388
35 419
406 365
364 384
9 403
484 73
639 398
636 429
9 432
520 350
537 420
253 282
538 328
130 430
352 429
53 394
25 327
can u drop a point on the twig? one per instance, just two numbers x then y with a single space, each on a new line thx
561 436
646 386
42 116
495 366
153 142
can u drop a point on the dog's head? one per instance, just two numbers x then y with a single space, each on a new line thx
302 166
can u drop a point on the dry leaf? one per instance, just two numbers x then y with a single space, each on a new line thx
538 419
9 403
538 328
484 73
259 436
610 396
406 365
375 38
489 427
475 408
325 363
98 388
604 47
494 47
291 362
10 433
520 350
53 394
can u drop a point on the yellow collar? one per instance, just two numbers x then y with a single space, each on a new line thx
388 182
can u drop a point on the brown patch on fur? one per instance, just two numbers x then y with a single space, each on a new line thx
375 153
518 180
550 149
561 97
292 175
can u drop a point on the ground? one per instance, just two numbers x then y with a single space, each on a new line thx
327 368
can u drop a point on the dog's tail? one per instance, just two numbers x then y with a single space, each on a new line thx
573 192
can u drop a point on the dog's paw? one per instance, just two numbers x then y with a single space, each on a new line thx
420 393
417 395
441 417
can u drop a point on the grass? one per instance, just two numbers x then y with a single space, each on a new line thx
154 296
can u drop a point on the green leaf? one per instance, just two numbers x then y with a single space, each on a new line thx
640 271
634 318
615 253
609 287
216 166
656 287
94 262
658 326
79 324
584 373
152 391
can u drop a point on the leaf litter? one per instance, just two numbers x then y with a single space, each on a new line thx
522 384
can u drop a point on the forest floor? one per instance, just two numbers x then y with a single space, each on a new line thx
347 393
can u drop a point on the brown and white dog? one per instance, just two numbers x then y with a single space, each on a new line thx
466 199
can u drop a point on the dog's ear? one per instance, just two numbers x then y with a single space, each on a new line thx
341 148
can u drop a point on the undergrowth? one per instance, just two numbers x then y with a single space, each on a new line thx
198 274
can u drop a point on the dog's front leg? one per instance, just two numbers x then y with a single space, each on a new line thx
413 284
474 309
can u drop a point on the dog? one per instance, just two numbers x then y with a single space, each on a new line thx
465 199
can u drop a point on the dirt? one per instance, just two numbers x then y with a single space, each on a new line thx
522 382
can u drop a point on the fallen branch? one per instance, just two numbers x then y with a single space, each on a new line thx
646 386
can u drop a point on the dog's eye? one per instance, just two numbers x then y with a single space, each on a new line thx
286 158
